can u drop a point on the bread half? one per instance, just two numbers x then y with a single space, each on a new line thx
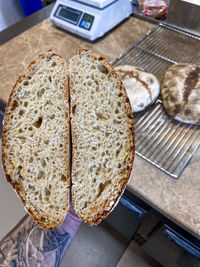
35 139
102 136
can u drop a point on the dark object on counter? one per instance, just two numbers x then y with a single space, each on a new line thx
47 2
29 6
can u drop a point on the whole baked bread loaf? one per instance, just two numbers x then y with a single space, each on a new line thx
181 92
102 136
35 139
142 87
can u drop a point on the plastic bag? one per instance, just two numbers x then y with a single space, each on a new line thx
153 8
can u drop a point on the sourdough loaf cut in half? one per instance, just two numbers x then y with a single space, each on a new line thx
102 136
35 139
181 92
141 86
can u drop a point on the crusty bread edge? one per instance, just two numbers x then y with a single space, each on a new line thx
97 218
19 189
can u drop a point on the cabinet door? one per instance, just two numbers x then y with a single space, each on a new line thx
171 249
126 217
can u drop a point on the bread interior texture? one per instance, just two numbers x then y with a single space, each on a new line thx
102 136
35 140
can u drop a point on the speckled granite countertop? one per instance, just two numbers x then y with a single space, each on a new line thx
177 199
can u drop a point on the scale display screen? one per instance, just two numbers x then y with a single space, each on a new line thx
68 14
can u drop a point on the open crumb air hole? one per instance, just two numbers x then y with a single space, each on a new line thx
40 93
38 123
21 112
31 187
102 187
103 69
43 163
26 83
74 109
47 192
40 175
63 178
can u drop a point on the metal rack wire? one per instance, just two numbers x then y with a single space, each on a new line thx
162 141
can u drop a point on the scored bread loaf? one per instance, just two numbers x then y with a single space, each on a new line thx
142 87
102 136
180 92
35 139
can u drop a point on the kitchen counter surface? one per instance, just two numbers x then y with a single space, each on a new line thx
179 199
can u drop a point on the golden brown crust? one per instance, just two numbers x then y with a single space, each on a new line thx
18 186
107 207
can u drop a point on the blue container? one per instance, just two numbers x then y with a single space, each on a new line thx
30 6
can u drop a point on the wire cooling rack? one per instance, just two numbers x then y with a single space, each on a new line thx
162 141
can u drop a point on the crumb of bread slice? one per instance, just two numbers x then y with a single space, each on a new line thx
35 139
102 136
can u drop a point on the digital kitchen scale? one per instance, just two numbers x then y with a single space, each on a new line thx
90 19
